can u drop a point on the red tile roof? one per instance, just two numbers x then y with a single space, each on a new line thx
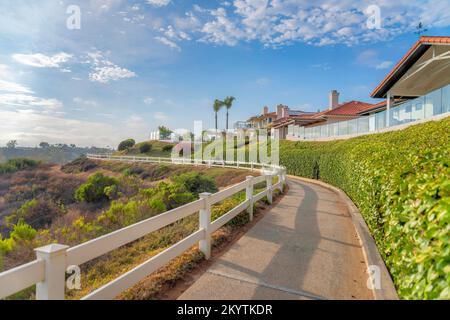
351 108
423 41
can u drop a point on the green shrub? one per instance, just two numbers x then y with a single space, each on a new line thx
400 182
126 144
167 148
14 165
39 213
195 183
97 188
172 195
145 147
23 232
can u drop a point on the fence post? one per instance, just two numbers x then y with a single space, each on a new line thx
205 223
269 178
249 196
53 286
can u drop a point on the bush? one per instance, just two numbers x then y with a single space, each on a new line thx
167 148
145 147
14 165
39 213
97 188
196 183
23 232
171 195
400 182
126 144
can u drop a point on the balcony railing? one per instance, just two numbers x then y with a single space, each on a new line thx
434 103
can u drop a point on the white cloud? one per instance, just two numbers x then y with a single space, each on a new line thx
383 65
263 82
168 42
25 100
148 100
30 127
87 103
107 74
13 87
136 122
278 23
104 71
40 60
158 3
160 116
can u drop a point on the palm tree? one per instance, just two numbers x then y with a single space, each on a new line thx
217 106
228 102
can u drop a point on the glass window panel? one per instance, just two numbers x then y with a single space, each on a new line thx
343 128
352 126
446 99
324 131
290 130
433 103
417 109
372 123
363 125
380 120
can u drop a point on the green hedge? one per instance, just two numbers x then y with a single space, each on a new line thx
400 181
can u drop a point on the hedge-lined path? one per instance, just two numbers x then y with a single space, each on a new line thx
306 247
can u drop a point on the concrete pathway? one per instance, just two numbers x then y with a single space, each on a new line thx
304 248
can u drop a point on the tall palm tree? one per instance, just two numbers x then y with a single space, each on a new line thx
217 106
228 102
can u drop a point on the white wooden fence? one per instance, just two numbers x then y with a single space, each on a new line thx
49 269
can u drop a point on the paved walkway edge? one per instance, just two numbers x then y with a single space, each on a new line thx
370 250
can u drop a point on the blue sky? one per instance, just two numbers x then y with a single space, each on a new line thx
134 65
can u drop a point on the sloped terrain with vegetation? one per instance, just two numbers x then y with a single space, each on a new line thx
42 204
400 181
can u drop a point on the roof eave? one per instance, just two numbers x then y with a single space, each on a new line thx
416 52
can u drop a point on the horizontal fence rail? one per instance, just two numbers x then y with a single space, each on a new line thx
48 271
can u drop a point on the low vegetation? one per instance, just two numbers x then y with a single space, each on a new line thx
126 144
147 148
17 164
86 199
46 153
400 181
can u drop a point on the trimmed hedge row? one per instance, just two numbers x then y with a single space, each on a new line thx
400 181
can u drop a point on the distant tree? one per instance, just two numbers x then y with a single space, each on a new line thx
164 133
216 107
44 145
126 144
73 146
12 144
228 103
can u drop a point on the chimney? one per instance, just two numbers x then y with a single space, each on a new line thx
280 111
265 110
334 100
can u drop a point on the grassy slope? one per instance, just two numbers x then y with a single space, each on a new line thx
72 224
157 149
401 183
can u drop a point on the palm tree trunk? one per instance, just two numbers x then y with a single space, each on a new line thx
227 119
216 122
